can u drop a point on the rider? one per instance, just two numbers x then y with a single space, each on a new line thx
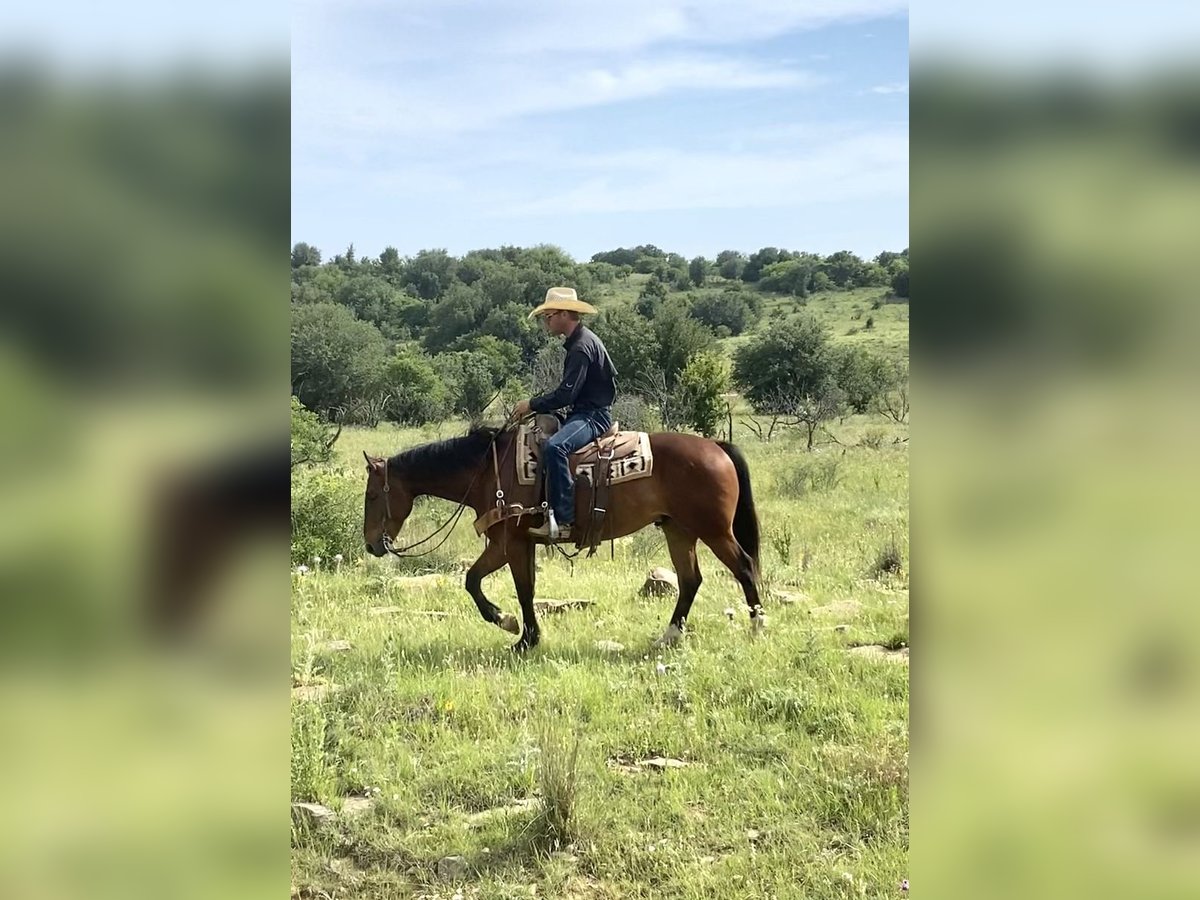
588 387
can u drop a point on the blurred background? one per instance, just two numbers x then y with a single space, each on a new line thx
1055 217
143 389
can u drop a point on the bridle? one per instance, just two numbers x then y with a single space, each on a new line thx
454 516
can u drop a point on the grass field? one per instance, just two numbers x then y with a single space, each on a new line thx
597 766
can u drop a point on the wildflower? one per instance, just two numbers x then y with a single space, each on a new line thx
338 558
660 669
301 570
904 885
316 560
729 613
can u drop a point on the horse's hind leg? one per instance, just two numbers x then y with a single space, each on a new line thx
737 560
687 569
492 558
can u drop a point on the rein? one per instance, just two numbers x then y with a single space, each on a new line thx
454 516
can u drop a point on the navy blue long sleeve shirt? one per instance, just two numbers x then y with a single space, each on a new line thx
589 377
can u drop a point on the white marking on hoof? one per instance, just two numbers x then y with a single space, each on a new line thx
509 623
672 636
758 625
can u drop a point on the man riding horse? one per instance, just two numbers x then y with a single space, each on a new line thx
588 387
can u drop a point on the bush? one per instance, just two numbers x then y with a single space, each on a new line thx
703 380
312 439
632 413
811 477
731 309
327 514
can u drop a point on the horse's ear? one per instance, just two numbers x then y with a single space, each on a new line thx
367 458
373 464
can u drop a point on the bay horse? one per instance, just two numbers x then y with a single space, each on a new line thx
699 489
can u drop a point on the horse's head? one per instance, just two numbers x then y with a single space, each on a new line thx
386 505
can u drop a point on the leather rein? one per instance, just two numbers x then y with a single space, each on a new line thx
454 516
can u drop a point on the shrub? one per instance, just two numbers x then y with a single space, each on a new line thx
312 439
326 513
559 780
888 560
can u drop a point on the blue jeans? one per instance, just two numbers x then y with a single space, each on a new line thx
577 432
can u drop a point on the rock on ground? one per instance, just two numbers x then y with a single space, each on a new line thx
450 868
660 583
877 651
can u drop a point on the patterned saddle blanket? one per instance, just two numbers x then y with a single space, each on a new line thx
631 456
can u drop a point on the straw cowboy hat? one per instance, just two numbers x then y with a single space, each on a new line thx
562 298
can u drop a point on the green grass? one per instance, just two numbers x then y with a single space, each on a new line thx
796 750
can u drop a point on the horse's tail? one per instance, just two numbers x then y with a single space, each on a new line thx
745 518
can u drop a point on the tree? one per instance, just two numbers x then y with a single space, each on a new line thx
760 260
730 264
734 310
337 360
391 266
680 337
416 393
631 342
698 270
701 383
430 273
312 439
510 323
844 268
789 276
305 255
810 409
457 314
863 376
791 360
899 270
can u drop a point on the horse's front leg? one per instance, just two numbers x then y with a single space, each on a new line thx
492 559
524 572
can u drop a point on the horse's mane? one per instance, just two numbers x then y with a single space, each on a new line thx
429 461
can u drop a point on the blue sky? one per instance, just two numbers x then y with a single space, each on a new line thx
695 125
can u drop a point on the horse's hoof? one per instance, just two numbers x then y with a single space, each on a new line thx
758 625
509 623
524 645
670 638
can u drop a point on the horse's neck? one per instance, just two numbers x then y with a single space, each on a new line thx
452 486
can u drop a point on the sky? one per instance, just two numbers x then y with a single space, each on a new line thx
694 125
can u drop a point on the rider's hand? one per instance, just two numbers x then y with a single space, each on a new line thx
521 410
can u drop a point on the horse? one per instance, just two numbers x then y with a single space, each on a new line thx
699 490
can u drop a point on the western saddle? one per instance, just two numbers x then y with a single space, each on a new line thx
597 457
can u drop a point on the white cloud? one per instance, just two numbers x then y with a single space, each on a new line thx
868 164
894 87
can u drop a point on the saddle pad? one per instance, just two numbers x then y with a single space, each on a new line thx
637 464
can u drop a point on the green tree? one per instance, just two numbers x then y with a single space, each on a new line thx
337 360
730 264
391 266
631 342
701 383
680 337
510 322
789 276
430 273
305 255
899 273
416 392
760 260
791 360
844 268
312 439
698 270
734 310
456 315
863 376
